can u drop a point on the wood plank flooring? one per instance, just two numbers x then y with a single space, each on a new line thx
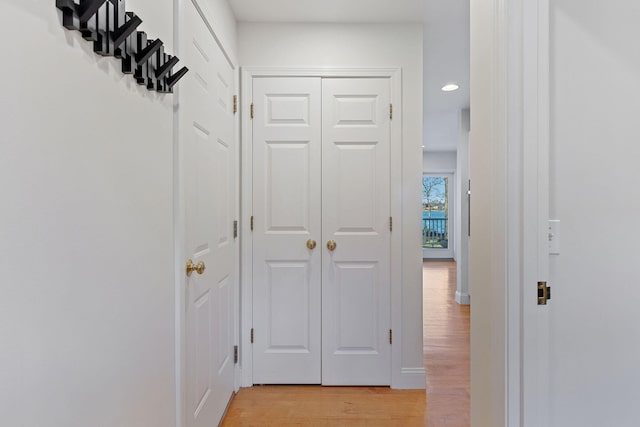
446 403
446 347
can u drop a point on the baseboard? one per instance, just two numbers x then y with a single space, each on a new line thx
412 379
464 299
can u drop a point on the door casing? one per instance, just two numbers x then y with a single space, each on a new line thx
510 45
246 276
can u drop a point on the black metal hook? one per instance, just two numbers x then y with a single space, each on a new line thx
120 35
146 53
166 67
88 8
172 80
113 32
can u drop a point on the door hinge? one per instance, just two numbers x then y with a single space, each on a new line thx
235 354
544 293
391 111
235 229
235 104
390 336
251 225
251 335
252 110
390 223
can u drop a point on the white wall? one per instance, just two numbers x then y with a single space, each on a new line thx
361 46
595 192
86 229
439 161
441 130
223 21
487 270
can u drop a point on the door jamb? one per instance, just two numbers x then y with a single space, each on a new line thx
246 275
516 52
524 45
535 89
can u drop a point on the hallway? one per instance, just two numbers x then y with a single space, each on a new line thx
446 349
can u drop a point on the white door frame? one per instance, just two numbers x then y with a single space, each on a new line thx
246 276
520 110
535 91
180 256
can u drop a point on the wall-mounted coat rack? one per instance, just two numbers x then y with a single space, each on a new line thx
113 32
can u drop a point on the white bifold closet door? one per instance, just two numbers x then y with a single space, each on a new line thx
356 293
321 174
287 213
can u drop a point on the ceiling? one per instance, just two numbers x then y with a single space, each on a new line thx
346 11
446 45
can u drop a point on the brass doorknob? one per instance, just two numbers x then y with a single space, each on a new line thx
311 244
198 268
332 245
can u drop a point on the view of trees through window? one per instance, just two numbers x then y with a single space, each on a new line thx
435 212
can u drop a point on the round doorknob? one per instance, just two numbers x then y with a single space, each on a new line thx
332 245
311 244
198 268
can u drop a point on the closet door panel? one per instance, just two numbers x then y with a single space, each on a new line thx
287 212
355 215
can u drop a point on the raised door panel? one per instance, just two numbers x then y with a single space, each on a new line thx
356 209
287 185
288 322
355 163
286 209
357 321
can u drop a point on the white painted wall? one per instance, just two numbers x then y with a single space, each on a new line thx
224 23
441 130
358 46
86 229
595 339
487 147
440 161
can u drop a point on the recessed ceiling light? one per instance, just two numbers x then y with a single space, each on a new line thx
450 87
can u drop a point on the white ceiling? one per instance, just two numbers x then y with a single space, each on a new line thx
446 45
328 10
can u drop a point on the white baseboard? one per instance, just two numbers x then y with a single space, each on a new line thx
411 379
464 299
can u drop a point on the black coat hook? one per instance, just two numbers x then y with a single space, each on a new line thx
88 8
113 32
166 67
146 53
119 35
172 80
69 10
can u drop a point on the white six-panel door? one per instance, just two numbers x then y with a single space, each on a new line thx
321 172
286 210
356 293
208 171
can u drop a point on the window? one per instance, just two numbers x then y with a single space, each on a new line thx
435 212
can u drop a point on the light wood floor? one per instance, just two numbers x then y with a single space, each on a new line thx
446 403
